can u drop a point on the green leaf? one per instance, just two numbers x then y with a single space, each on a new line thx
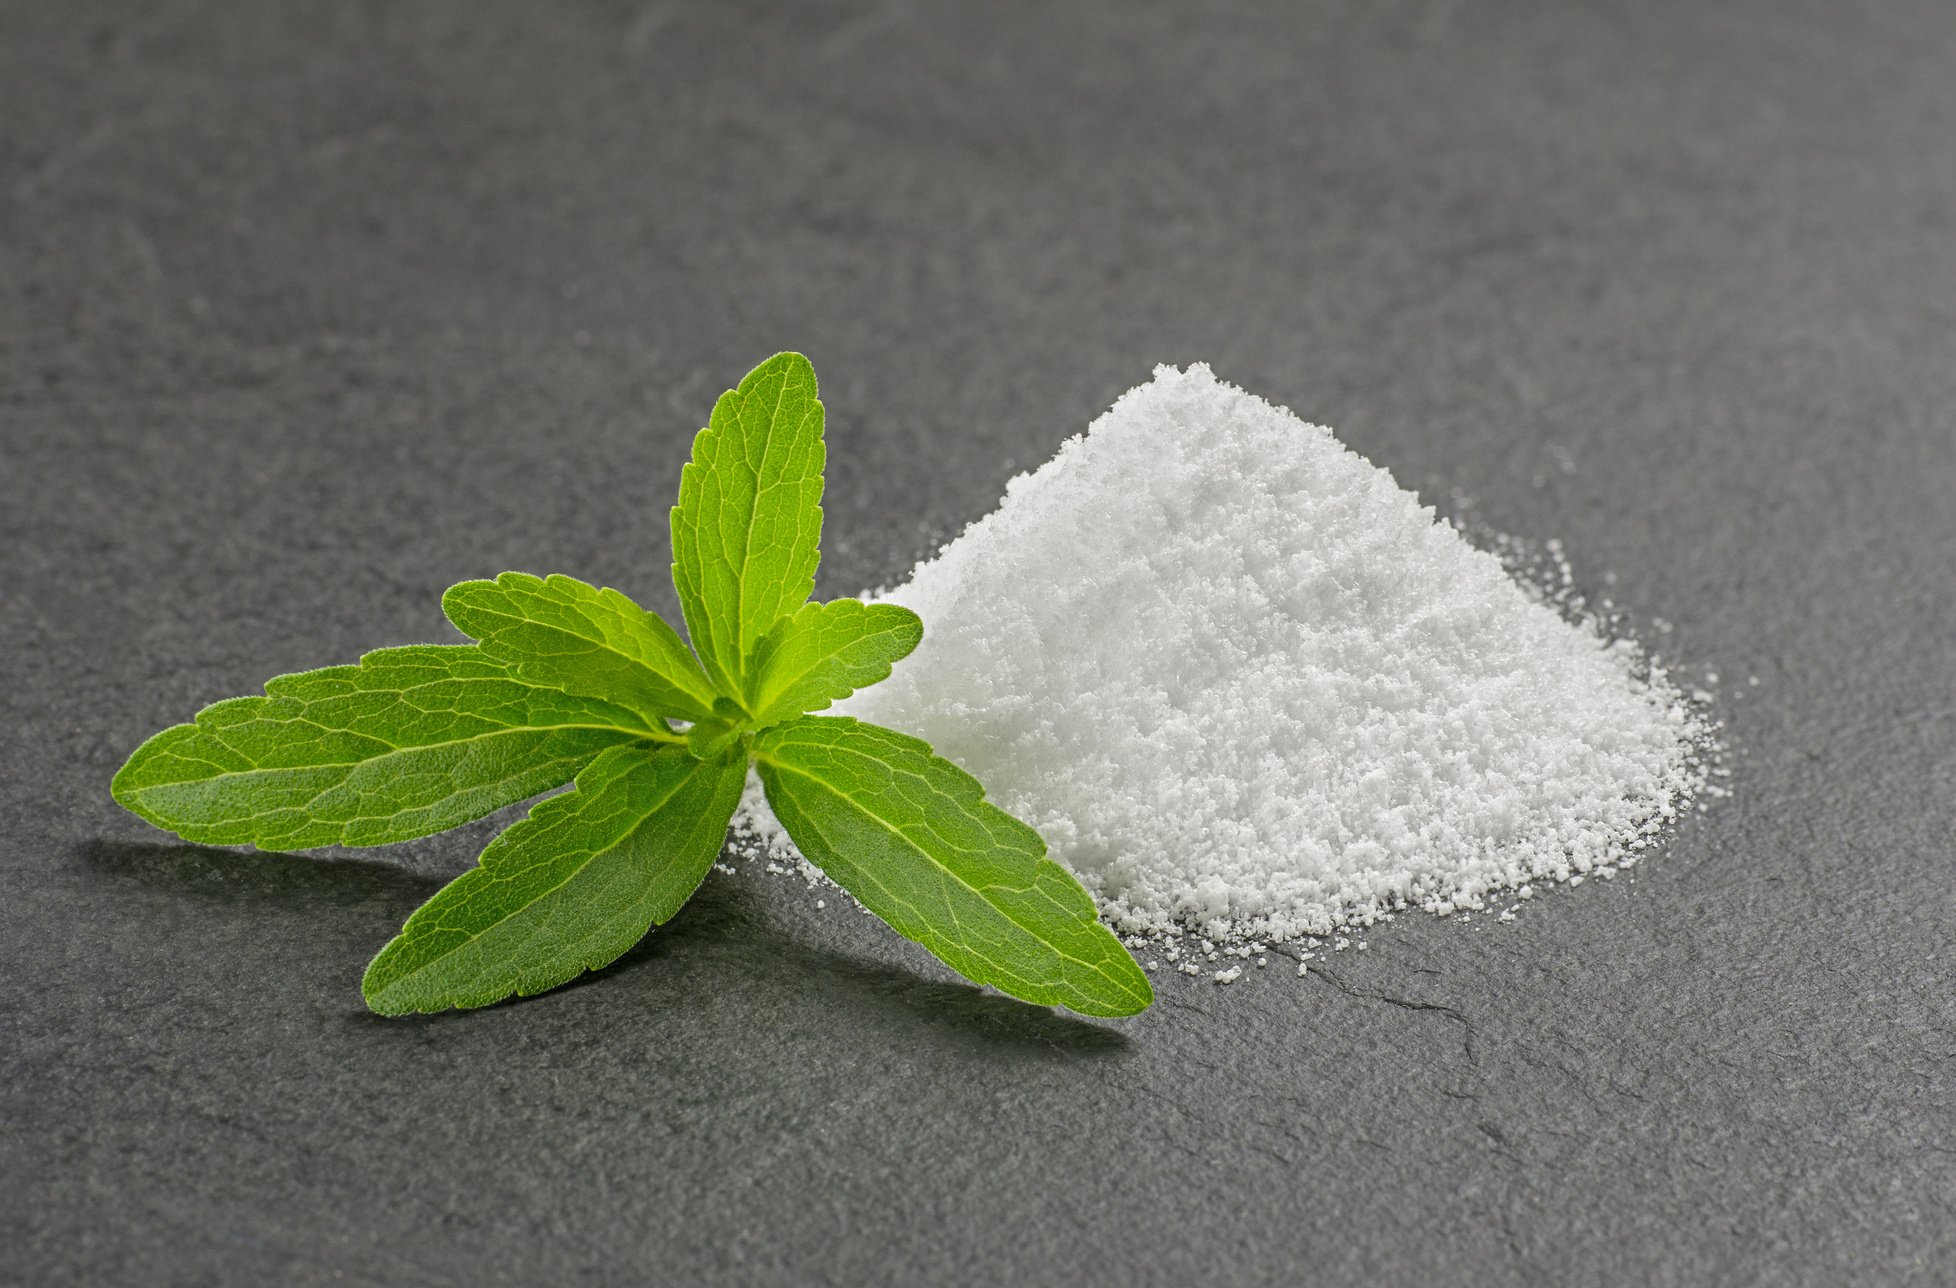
409 742
825 652
561 632
569 888
747 530
911 836
712 736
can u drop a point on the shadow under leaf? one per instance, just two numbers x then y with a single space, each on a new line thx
721 921
291 882
719 927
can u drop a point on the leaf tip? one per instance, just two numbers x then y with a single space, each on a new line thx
390 992
1143 996
1126 989
457 605
128 785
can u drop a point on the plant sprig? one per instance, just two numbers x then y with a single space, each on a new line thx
567 683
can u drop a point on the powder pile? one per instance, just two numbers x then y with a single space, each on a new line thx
1247 686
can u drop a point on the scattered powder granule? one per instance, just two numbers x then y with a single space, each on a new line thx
1247 686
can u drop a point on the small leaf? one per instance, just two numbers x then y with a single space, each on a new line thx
825 652
567 889
912 837
561 632
410 742
712 736
747 531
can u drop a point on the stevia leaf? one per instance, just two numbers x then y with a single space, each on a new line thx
561 632
712 736
408 742
911 836
747 530
567 889
825 652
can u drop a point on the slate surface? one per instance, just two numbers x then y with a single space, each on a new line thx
307 313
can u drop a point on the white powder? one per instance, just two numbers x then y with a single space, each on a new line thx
1247 686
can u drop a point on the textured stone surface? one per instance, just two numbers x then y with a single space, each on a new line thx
305 315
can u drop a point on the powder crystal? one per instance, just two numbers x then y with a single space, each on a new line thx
1247 686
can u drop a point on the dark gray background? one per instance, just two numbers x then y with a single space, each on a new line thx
308 311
